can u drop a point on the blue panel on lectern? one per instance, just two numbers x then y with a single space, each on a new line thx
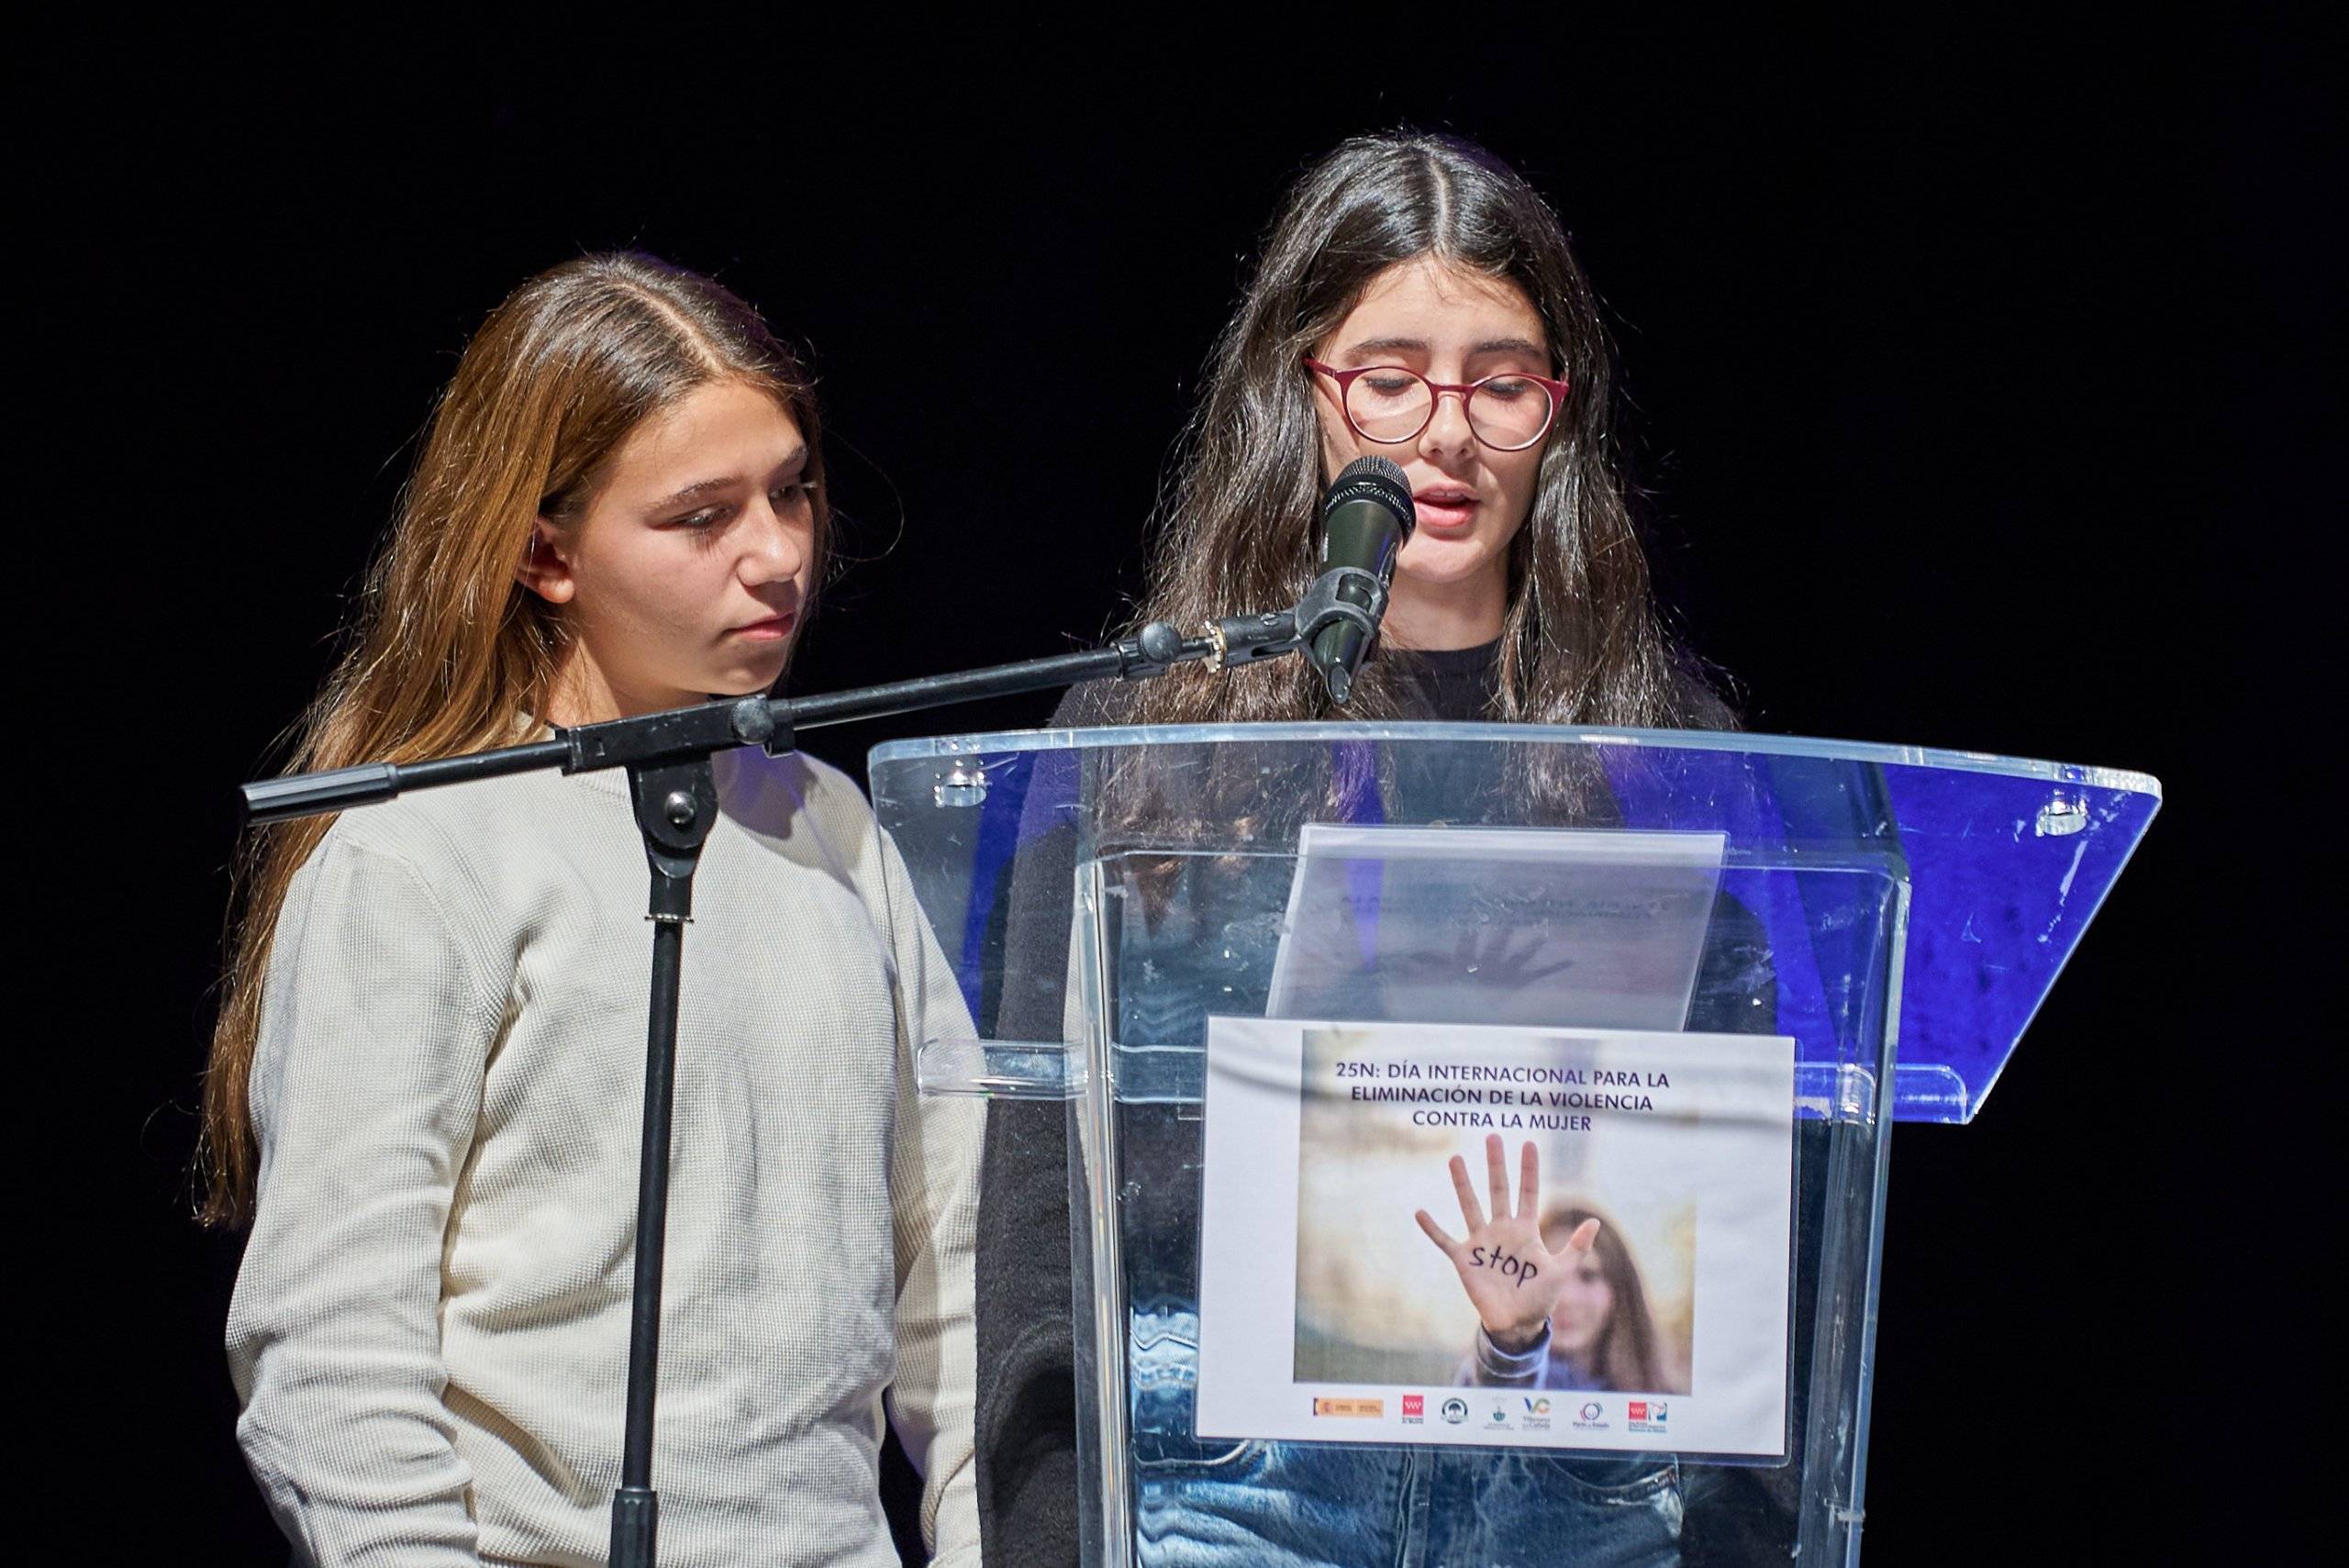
2005 870
2006 874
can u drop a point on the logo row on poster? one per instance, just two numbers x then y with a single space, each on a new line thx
1511 1412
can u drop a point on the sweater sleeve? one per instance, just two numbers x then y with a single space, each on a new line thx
375 1028
933 1177
1493 1367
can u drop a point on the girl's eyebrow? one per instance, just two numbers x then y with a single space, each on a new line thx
694 491
701 487
1419 345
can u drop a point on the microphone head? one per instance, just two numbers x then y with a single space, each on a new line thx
1375 479
1367 515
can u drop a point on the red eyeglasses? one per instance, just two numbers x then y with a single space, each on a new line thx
1387 404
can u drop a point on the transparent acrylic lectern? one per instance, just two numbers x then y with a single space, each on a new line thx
1897 914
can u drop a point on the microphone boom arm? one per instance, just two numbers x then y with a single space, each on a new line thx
685 733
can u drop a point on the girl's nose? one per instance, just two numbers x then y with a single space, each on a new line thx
779 545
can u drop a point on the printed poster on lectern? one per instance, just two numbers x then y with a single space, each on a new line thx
1539 1238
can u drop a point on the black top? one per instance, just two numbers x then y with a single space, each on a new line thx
1453 684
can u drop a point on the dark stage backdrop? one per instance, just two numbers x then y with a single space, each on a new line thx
1964 380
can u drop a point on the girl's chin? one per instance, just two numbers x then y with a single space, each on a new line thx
746 681
1440 563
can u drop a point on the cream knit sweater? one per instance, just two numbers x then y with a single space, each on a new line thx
429 1331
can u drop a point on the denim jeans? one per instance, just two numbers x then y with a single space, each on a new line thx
1281 1504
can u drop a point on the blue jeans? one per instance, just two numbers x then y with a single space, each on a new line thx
1268 1505
1279 1505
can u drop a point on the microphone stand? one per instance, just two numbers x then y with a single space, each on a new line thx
674 796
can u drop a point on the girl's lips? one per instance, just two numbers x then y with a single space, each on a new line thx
1445 510
773 629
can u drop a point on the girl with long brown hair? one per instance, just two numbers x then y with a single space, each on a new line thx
426 1087
1415 299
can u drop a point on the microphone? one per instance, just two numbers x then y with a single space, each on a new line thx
1366 516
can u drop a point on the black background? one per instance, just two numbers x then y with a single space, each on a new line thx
1971 383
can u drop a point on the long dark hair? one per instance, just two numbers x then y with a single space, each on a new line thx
1580 639
448 650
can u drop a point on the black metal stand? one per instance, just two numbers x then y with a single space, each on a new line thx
676 805
667 756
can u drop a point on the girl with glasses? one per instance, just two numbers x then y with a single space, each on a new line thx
1403 272
427 1084
1418 300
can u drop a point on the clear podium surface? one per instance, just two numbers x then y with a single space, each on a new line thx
2006 859
1891 916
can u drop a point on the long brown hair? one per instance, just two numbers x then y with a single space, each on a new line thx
448 650
1627 1359
1580 641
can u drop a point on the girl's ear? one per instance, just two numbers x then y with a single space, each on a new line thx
542 568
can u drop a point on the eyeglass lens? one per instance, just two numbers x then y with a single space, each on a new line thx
1394 405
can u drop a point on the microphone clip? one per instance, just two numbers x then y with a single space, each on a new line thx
1245 639
1343 596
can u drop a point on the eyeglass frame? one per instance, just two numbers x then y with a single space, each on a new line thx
1436 389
